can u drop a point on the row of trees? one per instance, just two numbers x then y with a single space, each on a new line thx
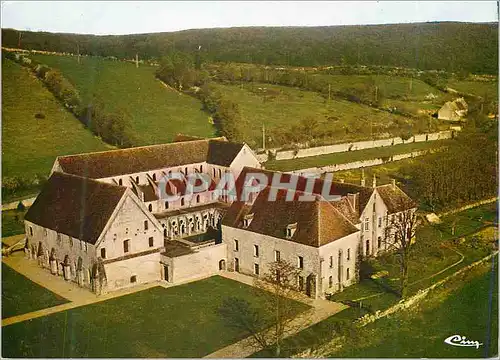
112 126
467 172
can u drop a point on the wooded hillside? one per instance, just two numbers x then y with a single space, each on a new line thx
455 47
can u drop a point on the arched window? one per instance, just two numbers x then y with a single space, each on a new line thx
197 198
220 173
150 207
186 170
182 202
120 182
214 172
137 179
201 168
166 204
154 177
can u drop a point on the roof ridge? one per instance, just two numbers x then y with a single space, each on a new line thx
91 180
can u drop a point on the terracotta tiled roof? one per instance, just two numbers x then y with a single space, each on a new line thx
128 161
395 199
75 206
318 222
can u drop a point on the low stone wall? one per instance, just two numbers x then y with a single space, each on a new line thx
326 349
13 205
357 164
469 206
353 146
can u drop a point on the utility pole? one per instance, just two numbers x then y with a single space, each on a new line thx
376 93
263 136
329 92
78 51
136 60
19 40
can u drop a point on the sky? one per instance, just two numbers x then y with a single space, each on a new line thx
117 17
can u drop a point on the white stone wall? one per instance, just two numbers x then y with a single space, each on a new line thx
145 268
360 145
246 157
66 245
204 262
129 225
374 231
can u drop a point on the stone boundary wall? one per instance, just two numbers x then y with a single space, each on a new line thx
325 349
13 205
357 164
470 206
353 146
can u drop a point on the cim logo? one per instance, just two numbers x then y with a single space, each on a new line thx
459 340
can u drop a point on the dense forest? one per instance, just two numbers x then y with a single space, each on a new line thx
455 47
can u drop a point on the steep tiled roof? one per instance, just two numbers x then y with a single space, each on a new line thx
395 199
133 160
75 206
318 222
222 152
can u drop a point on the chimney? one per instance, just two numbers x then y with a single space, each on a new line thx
374 183
393 182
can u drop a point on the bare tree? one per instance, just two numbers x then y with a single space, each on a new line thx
280 293
400 236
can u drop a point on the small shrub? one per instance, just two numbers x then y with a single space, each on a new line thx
39 116
20 206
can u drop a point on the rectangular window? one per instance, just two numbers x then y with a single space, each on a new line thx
256 269
277 255
379 221
103 253
126 246
151 242
300 262
347 275
379 242
367 221
31 231
146 225
133 279
256 250
86 247
331 261
330 281
236 245
348 254
81 245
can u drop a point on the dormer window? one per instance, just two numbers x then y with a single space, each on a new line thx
247 220
290 230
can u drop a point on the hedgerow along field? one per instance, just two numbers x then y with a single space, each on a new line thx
156 113
30 144
280 108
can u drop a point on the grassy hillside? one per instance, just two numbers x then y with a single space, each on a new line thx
30 145
286 110
156 113
439 45
480 88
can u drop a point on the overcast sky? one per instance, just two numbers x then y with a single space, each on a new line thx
115 17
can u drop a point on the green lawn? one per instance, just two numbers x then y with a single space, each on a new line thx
29 145
12 222
421 332
156 113
20 295
479 88
182 321
349 156
281 107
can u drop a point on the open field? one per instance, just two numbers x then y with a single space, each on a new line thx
421 332
479 88
349 156
182 321
30 145
156 113
280 108
20 295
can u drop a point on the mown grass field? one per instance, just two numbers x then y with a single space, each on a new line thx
280 107
20 295
349 156
479 88
182 321
12 222
156 113
30 145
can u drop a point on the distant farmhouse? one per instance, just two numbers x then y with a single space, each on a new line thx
102 222
453 110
